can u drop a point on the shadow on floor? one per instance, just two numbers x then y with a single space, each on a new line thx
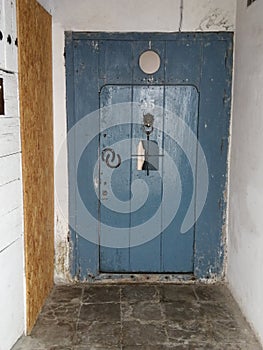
140 316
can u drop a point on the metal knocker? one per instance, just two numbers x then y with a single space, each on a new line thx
148 120
108 156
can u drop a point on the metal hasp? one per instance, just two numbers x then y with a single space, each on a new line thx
148 120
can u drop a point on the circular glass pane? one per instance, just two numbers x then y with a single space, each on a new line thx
149 62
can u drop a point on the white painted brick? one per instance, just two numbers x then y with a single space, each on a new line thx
2 29
9 136
11 95
12 299
10 29
10 198
8 52
11 227
10 168
11 295
14 35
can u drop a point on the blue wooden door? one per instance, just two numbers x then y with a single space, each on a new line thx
133 191
135 201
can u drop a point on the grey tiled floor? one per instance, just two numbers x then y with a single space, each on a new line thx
140 316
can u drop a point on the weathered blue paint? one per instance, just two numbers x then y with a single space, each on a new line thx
170 251
214 118
85 254
203 60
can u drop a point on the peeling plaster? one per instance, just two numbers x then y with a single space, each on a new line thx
62 253
61 263
216 19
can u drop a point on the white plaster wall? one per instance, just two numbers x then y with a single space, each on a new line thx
11 212
245 246
122 16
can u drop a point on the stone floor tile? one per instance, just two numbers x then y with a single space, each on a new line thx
147 347
95 347
193 331
215 310
100 312
192 345
137 333
60 311
98 334
60 347
101 294
211 293
229 332
141 317
61 334
66 294
139 292
180 311
235 346
29 343
144 311
177 293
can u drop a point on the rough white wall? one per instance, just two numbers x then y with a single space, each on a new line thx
123 16
11 215
147 15
245 247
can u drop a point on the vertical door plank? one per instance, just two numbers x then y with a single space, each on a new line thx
147 257
115 184
85 101
181 105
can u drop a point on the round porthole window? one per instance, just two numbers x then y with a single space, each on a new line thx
149 62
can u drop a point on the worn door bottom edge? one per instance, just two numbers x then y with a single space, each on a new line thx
112 278
145 278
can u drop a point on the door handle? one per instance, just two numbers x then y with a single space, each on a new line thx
108 156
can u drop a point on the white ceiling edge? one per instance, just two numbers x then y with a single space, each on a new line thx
142 15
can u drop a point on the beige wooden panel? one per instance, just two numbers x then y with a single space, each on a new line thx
35 83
